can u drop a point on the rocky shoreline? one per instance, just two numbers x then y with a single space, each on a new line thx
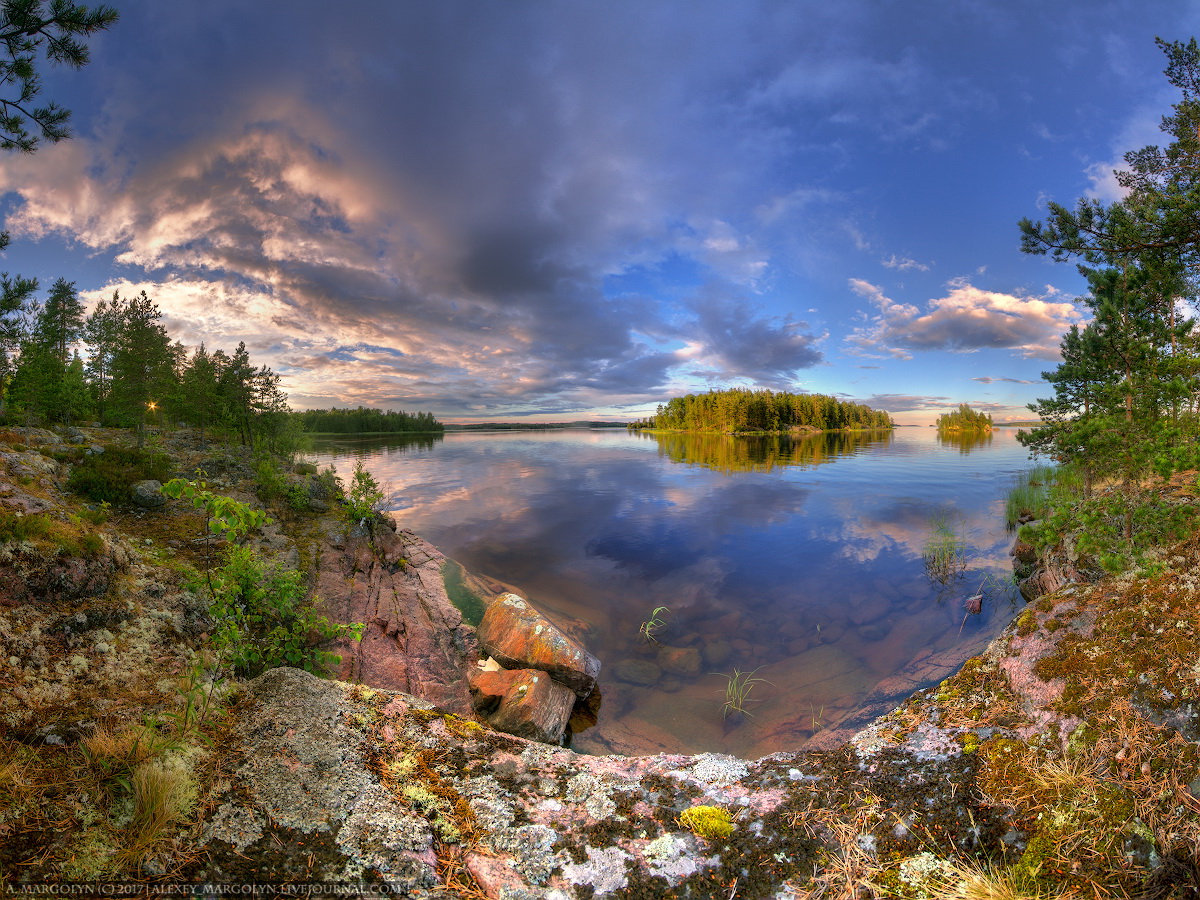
386 774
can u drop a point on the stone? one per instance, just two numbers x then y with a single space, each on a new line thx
148 494
716 652
527 703
75 436
638 671
415 639
683 661
519 637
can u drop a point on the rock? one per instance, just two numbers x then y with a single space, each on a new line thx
683 661
638 671
415 639
317 505
519 637
525 702
716 652
1045 580
148 494
75 436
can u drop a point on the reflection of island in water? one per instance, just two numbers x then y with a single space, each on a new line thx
965 441
762 453
372 444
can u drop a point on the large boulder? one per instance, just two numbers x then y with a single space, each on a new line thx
519 637
415 639
148 494
525 702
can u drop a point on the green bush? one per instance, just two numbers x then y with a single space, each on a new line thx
107 477
364 498
264 619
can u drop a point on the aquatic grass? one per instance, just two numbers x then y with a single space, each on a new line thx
738 688
945 552
652 626
1030 496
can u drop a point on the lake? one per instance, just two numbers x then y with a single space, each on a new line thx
796 560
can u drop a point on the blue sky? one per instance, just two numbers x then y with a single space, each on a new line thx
564 210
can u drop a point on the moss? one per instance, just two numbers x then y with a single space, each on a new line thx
709 822
1026 623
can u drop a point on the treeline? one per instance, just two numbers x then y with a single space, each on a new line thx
363 420
120 367
964 419
742 409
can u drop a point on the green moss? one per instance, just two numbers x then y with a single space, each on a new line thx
1026 623
709 822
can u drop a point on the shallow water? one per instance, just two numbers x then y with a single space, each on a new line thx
799 561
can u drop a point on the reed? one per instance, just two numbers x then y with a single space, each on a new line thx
945 553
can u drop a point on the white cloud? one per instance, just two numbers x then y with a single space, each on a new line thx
966 319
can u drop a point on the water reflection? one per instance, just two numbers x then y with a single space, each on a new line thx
761 453
767 558
965 441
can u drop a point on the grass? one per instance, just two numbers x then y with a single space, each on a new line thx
652 626
945 552
738 688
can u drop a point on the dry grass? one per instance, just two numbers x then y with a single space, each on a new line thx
979 882
163 796
848 867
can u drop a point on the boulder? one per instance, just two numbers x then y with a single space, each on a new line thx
683 661
638 671
148 494
519 637
415 639
527 703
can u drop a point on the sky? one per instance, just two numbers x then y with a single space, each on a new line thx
548 211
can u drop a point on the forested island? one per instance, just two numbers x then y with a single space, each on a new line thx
741 410
964 419
364 420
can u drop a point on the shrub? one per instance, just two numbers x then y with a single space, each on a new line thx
364 499
107 477
264 619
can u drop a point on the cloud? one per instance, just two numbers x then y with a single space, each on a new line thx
992 379
903 264
965 320
735 340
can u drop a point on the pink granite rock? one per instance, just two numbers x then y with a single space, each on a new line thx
519 637
525 702
415 640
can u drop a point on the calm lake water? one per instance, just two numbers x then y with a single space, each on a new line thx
797 560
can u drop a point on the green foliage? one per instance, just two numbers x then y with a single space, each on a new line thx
264 619
366 421
25 28
363 499
740 410
652 626
226 516
107 477
270 482
1098 528
1030 495
964 419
